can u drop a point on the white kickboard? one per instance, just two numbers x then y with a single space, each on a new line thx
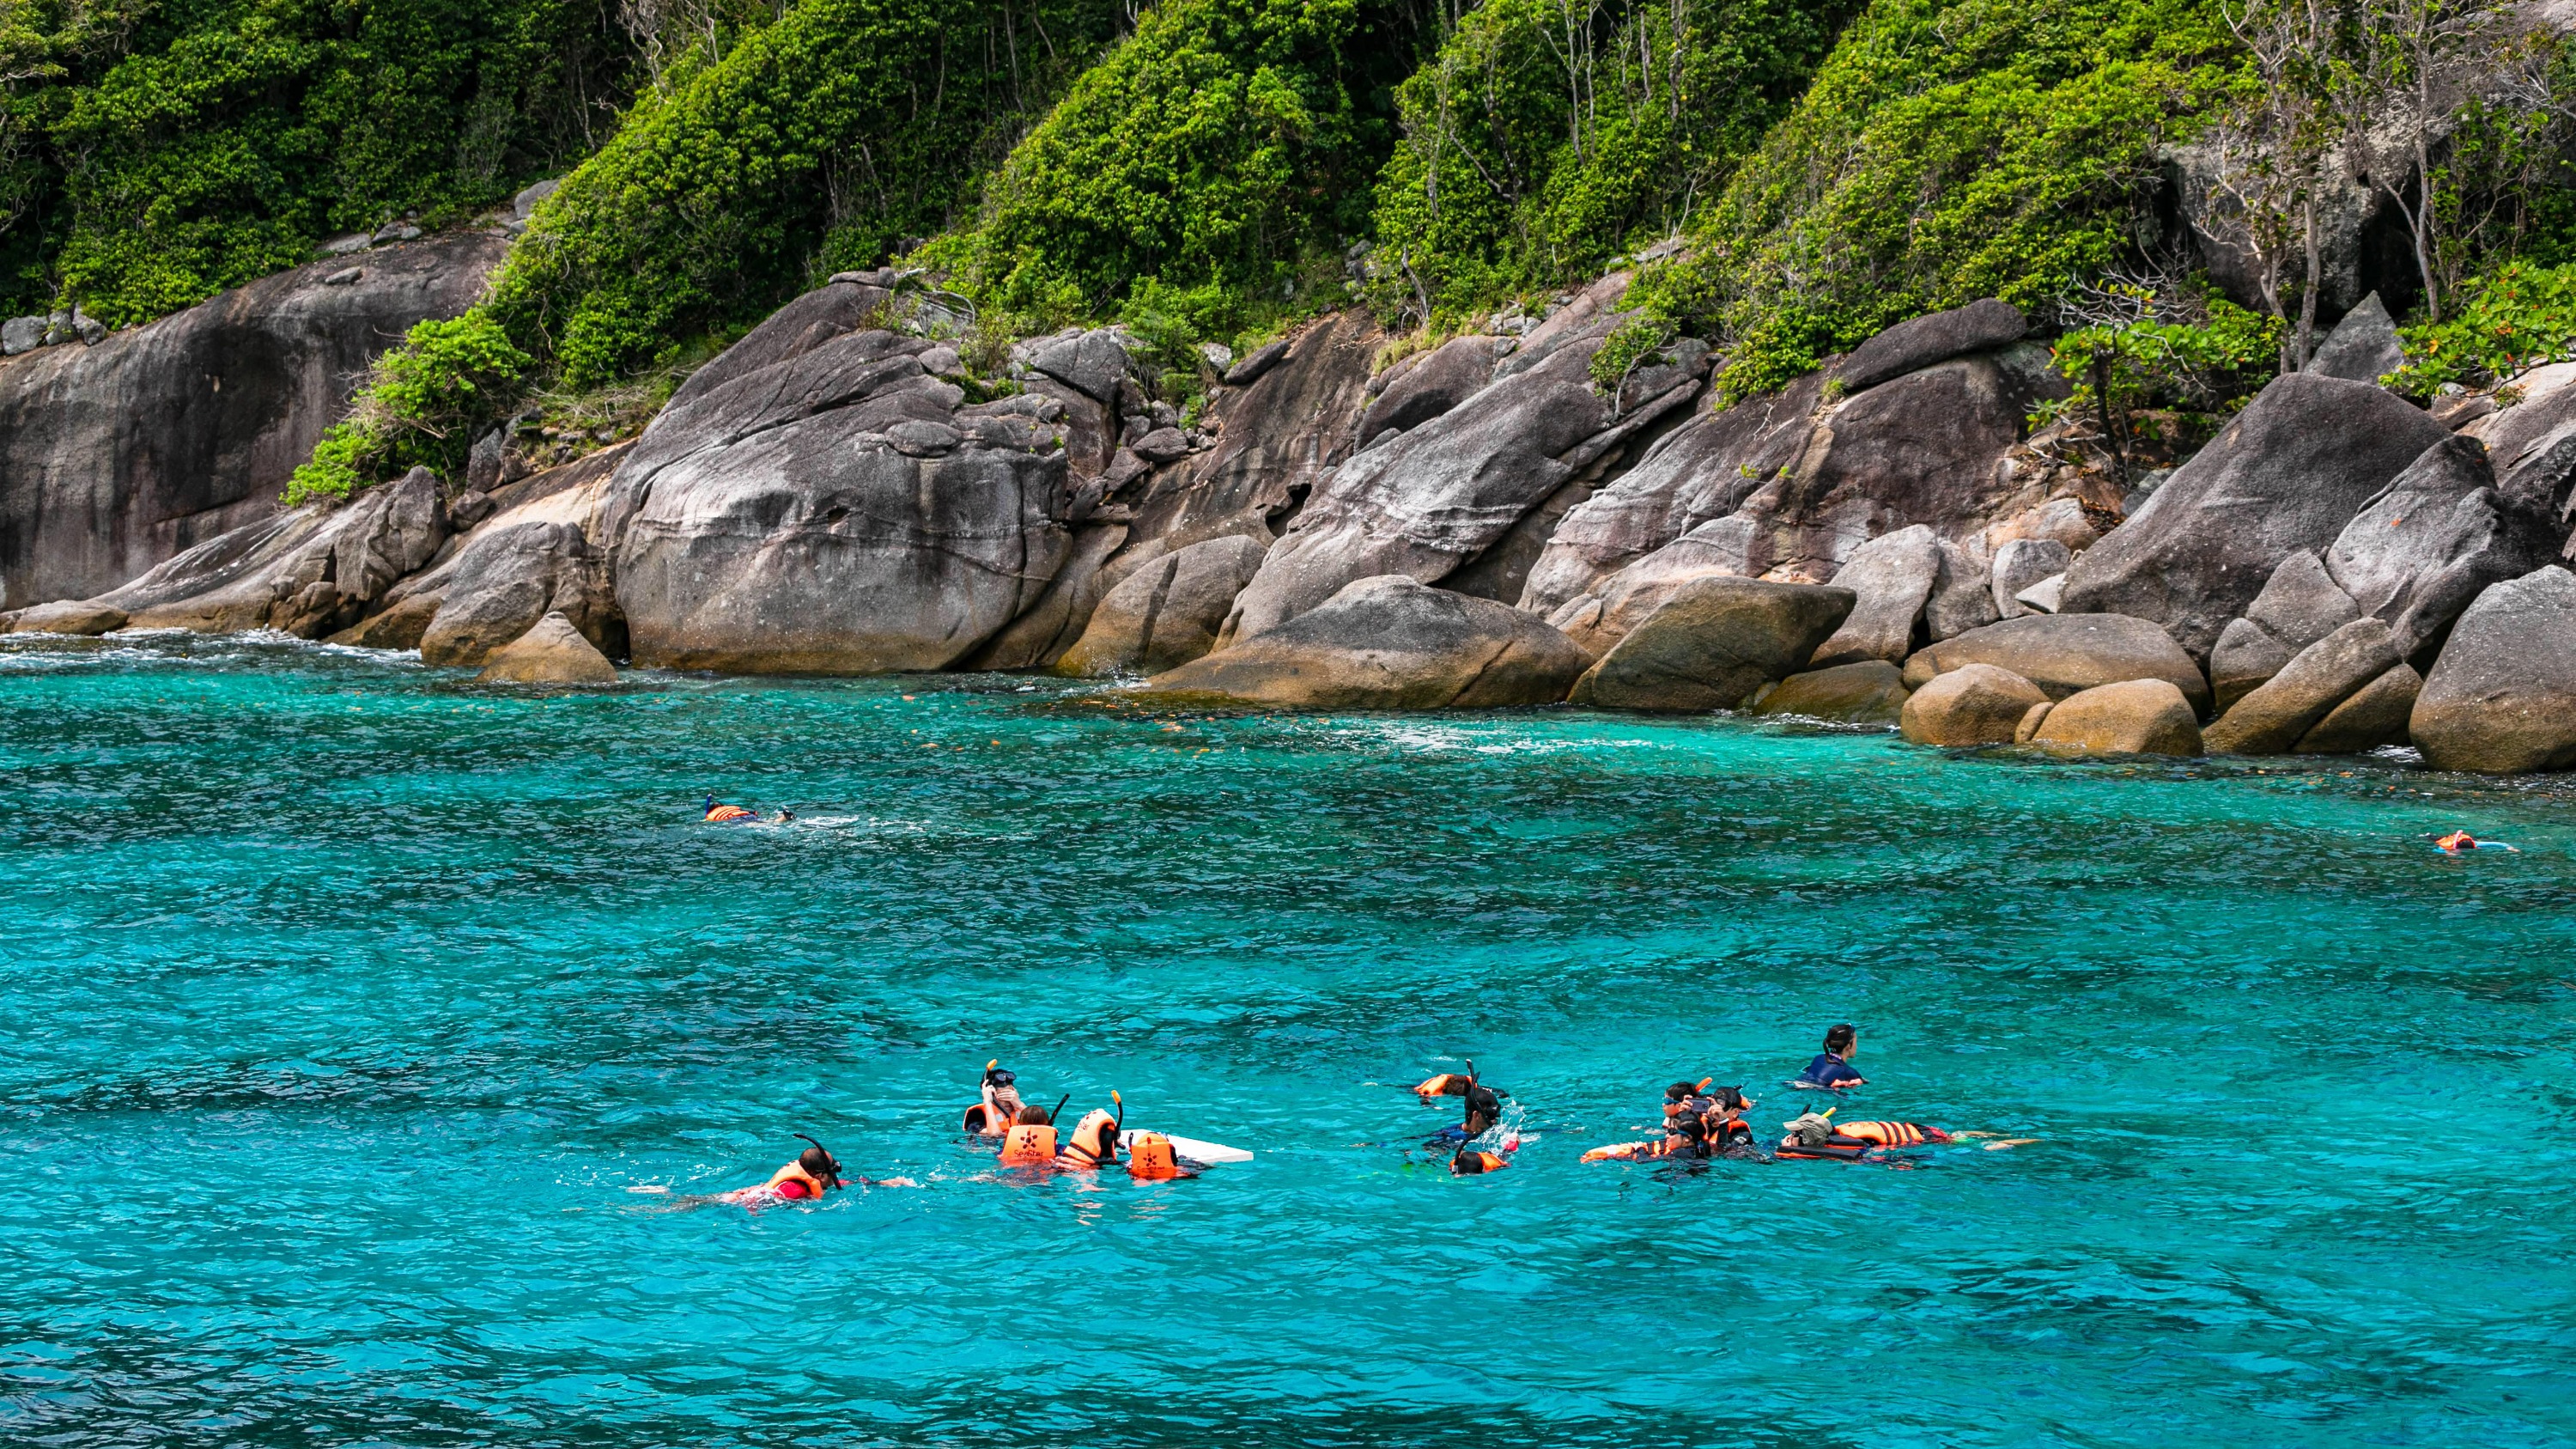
1193 1149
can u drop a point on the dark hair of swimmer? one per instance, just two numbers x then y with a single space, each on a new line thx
1840 1039
819 1162
1681 1091
1729 1098
1032 1117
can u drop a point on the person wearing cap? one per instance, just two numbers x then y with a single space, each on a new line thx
1832 1069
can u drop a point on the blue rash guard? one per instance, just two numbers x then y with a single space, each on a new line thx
1829 1070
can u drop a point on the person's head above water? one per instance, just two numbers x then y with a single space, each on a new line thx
1843 1040
1681 1091
819 1163
1032 1117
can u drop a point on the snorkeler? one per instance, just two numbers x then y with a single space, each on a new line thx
1483 1107
1699 1122
728 814
1832 1069
993 1116
814 1172
2460 840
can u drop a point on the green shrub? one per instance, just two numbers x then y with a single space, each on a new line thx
1218 154
161 154
2520 315
423 406
1948 150
2192 352
1504 183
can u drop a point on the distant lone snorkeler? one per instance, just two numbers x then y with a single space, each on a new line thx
2460 840
736 815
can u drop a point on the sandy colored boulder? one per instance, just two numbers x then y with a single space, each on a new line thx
553 652
2272 719
2134 717
2031 720
1390 642
1976 704
2502 698
70 616
1167 612
2067 653
1869 692
2373 717
1713 643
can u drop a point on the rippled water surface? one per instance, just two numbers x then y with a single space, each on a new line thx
345 1006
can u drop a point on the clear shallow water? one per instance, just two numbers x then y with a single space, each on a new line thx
342 1003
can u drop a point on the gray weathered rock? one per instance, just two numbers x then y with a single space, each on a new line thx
1437 497
2432 540
2066 653
69 616
2043 597
544 557
2300 604
1278 439
826 314
1047 628
2363 347
1167 612
2374 716
2134 717
1699 472
1161 445
115 458
1390 643
552 652
1870 692
1093 363
1258 361
350 244
1926 341
524 204
2286 475
1963 596
1977 704
1453 372
21 334
2502 698
1599 622
2020 563
309 574
2274 717
1892 577
1713 643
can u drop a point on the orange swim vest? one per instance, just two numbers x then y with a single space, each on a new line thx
794 1175
1468 1164
1447 1084
1030 1145
1892 1134
1094 1141
726 814
1150 1156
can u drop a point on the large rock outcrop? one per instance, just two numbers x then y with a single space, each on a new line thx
1390 643
2299 605
2066 653
2416 554
551 652
1891 576
1976 704
118 457
1167 612
309 573
2502 698
1932 339
1870 692
1713 643
2275 717
2135 717
834 513
2286 475
1429 502
546 555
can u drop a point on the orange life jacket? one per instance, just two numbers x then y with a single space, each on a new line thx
975 1118
1094 1141
1150 1156
723 814
1447 1084
1892 1134
808 1183
1467 1164
1029 1145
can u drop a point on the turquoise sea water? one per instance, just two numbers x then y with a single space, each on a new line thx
344 1006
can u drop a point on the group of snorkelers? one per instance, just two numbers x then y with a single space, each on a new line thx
1700 1122
1704 1121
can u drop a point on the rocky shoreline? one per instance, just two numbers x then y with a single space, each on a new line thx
1475 524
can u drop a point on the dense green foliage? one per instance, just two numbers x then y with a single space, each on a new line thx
2520 315
2184 351
1545 138
1948 150
822 141
154 154
1213 160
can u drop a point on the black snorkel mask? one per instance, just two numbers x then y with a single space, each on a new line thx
995 1076
827 1153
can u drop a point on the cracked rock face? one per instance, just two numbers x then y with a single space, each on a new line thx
308 573
1391 643
118 457
827 513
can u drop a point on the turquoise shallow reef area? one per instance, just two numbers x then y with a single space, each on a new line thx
350 1012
